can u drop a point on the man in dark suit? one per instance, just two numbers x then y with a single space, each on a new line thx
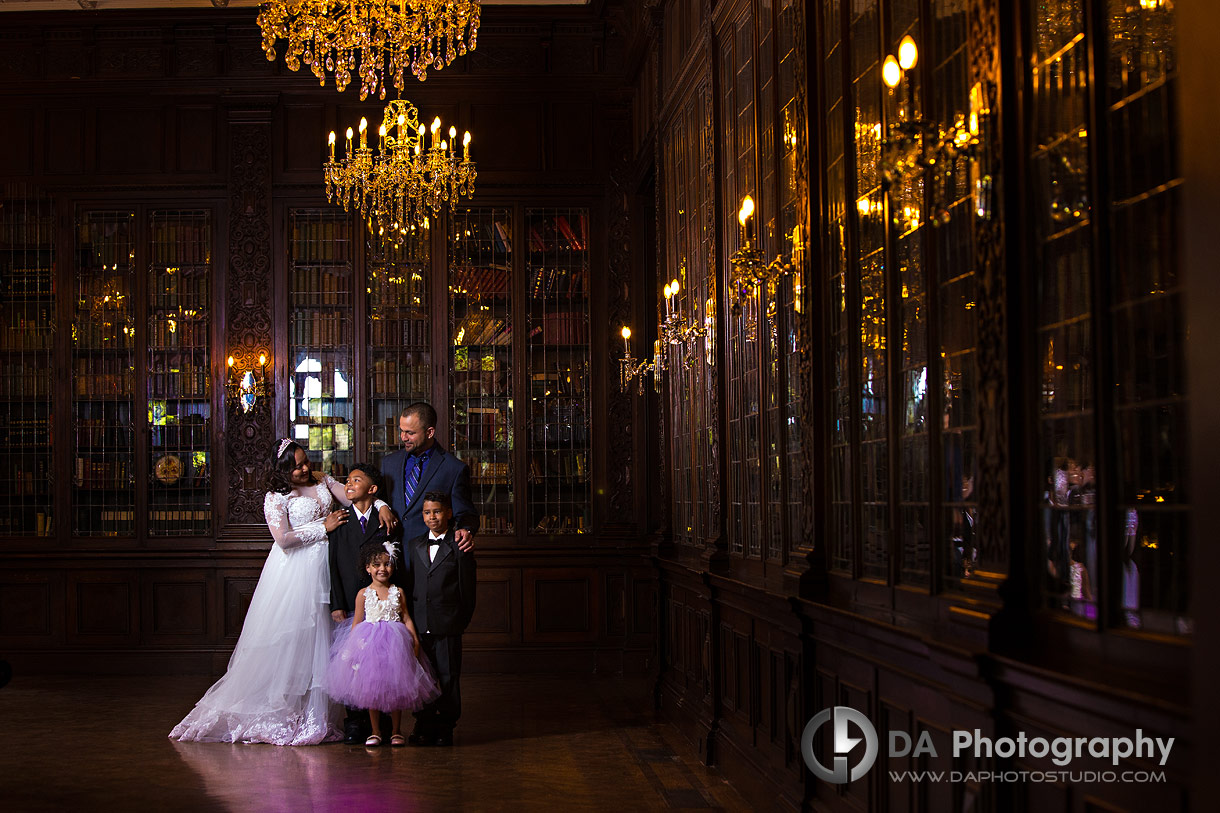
423 465
442 598
347 575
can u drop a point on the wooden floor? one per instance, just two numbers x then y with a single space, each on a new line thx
525 742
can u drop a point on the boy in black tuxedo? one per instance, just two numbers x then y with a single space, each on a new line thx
442 602
347 577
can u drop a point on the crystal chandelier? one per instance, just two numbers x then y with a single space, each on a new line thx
365 37
414 172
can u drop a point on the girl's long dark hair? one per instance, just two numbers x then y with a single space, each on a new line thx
281 471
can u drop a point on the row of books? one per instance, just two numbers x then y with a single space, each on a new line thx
171 331
482 425
181 242
28 282
25 431
103 377
193 435
564 327
178 288
562 523
26 226
550 234
190 381
25 523
574 466
559 283
102 473
483 328
313 286
316 329
494 525
100 433
29 478
393 384
467 360
24 381
479 280
385 332
323 240
115 333
488 472
105 256
180 515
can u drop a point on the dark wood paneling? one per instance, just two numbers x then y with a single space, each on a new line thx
196 138
615 591
513 136
65 140
643 606
559 605
25 607
17 141
571 136
179 608
497 611
102 608
130 140
238 590
303 139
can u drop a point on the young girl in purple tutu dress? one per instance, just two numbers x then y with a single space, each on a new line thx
376 666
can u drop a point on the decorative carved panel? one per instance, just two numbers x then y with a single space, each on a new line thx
179 608
249 437
619 409
25 608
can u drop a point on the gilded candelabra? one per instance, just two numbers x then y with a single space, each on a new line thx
753 272
414 173
369 38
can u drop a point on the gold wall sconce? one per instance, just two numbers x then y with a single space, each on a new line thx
675 330
752 273
244 389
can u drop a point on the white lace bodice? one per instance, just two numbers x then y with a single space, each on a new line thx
387 609
296 519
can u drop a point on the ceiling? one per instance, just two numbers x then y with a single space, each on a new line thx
103 5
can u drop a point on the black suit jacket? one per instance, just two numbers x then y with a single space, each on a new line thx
443 590
444 473
347 576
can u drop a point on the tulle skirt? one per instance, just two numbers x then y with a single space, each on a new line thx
274 688
374 667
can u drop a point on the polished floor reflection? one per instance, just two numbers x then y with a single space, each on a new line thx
575 742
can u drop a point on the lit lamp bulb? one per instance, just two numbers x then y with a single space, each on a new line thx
673 287
466 146
626 346
364 127
891 72
908 54
331 141
349 141
743 217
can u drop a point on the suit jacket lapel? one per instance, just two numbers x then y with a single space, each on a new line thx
371 525
421 550
434 463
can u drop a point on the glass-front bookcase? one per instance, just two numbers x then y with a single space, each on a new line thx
27 339
321 368
179 380
103 374
481 335
400 336
557 361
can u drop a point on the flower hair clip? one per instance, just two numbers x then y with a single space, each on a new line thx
284 444
389 549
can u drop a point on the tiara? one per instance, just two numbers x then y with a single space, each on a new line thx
284 444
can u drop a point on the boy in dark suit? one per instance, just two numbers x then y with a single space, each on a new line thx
442 603
347 577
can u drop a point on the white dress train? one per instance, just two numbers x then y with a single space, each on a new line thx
274 690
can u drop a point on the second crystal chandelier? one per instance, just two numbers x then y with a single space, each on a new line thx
414 173
365 37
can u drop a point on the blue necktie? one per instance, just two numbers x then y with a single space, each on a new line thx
413 478
363 527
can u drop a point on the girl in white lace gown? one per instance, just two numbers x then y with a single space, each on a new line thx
274 688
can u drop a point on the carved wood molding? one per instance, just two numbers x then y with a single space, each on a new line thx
991 534
620 407
249 437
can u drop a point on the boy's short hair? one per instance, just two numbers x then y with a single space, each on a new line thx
371 473
371 550
440 497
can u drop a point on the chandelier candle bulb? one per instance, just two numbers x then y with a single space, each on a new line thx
908 54
332 145
364 127
744 216
349 142
626 342
891 72
466 146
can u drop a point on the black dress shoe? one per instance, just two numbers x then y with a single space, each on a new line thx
416 738
443 741
352 733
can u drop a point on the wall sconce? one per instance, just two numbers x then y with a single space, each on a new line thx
246 388
630 367
914 144
751 271
676 329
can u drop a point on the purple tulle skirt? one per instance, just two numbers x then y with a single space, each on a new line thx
374 667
